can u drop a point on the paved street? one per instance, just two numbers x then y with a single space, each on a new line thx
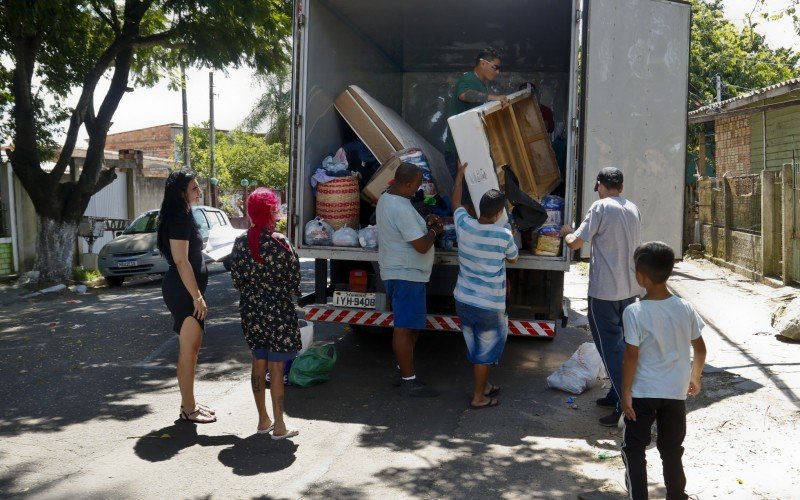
90 407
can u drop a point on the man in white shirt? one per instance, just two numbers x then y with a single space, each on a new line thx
613 225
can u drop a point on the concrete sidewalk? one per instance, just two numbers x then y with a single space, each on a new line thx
739 311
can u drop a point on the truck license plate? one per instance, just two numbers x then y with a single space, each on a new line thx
354 299
127 263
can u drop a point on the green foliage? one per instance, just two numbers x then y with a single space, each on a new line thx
280 226
273 107
238 155
72 35
740 56
82 274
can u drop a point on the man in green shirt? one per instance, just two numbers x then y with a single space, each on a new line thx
472 90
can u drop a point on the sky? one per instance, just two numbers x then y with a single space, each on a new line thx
236 92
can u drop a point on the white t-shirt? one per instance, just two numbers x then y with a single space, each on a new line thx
399 224
663 330
612 225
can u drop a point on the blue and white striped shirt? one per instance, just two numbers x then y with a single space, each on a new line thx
482 251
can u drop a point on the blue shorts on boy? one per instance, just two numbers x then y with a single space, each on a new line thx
481 288
484 332
408 303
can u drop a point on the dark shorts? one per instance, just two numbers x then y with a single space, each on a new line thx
263 353
408 303
484 332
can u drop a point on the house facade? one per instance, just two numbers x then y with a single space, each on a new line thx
748 208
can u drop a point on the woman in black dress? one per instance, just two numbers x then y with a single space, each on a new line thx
266 270
183 286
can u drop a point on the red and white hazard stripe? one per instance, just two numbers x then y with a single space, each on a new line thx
368 317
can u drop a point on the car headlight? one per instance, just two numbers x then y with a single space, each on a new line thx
156 251
103 252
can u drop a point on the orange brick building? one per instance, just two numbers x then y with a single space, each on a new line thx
157 141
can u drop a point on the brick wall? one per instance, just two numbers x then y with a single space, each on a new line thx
732 138
153 141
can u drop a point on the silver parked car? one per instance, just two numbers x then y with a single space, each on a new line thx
135 253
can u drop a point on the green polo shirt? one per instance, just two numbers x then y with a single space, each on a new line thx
467 81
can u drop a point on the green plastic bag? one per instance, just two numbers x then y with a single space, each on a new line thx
313 366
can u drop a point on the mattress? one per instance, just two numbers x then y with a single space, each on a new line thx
384 132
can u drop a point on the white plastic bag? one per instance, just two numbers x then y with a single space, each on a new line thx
345 237
318 232
368 237
583 370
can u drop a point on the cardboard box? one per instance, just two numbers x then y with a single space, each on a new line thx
380 180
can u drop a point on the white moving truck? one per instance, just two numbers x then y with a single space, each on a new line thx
614 72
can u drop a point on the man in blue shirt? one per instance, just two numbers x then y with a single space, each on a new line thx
405 256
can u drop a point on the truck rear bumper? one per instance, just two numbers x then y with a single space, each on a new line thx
366 317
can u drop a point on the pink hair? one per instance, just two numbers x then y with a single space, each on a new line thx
262 205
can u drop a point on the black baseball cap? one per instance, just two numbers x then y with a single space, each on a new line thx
610 177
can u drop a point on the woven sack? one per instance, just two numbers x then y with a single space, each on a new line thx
338 202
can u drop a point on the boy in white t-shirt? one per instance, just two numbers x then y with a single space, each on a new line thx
658 372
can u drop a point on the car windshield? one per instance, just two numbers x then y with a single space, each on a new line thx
145 223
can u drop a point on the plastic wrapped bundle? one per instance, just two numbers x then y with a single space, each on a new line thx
549 241
345 237
368 237
318 232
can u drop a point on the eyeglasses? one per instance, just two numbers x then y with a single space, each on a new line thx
495 67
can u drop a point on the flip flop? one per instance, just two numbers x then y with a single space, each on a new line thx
285 436
265 431
494 391
492 403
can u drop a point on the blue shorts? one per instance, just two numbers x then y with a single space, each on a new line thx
272 356
408 303
484 332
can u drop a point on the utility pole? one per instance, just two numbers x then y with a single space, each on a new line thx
718 82
213 139
186 159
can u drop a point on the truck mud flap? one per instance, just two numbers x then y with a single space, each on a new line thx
366 317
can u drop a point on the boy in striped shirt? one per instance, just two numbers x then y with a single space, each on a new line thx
483 249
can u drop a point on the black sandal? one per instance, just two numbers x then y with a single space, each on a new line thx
193 417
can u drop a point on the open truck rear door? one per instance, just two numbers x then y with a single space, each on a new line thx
635 85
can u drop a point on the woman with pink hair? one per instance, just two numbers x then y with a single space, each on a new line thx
266 271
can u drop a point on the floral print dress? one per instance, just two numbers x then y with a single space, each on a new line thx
268 290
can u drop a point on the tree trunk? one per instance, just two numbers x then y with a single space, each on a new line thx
55 247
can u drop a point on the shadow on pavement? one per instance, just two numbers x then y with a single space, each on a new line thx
256 454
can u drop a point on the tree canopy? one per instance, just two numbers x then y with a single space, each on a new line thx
274 106
238 155
740 56
55 46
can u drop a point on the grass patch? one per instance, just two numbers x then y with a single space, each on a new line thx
82 274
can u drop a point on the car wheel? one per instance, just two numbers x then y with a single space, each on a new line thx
115 280
226 263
